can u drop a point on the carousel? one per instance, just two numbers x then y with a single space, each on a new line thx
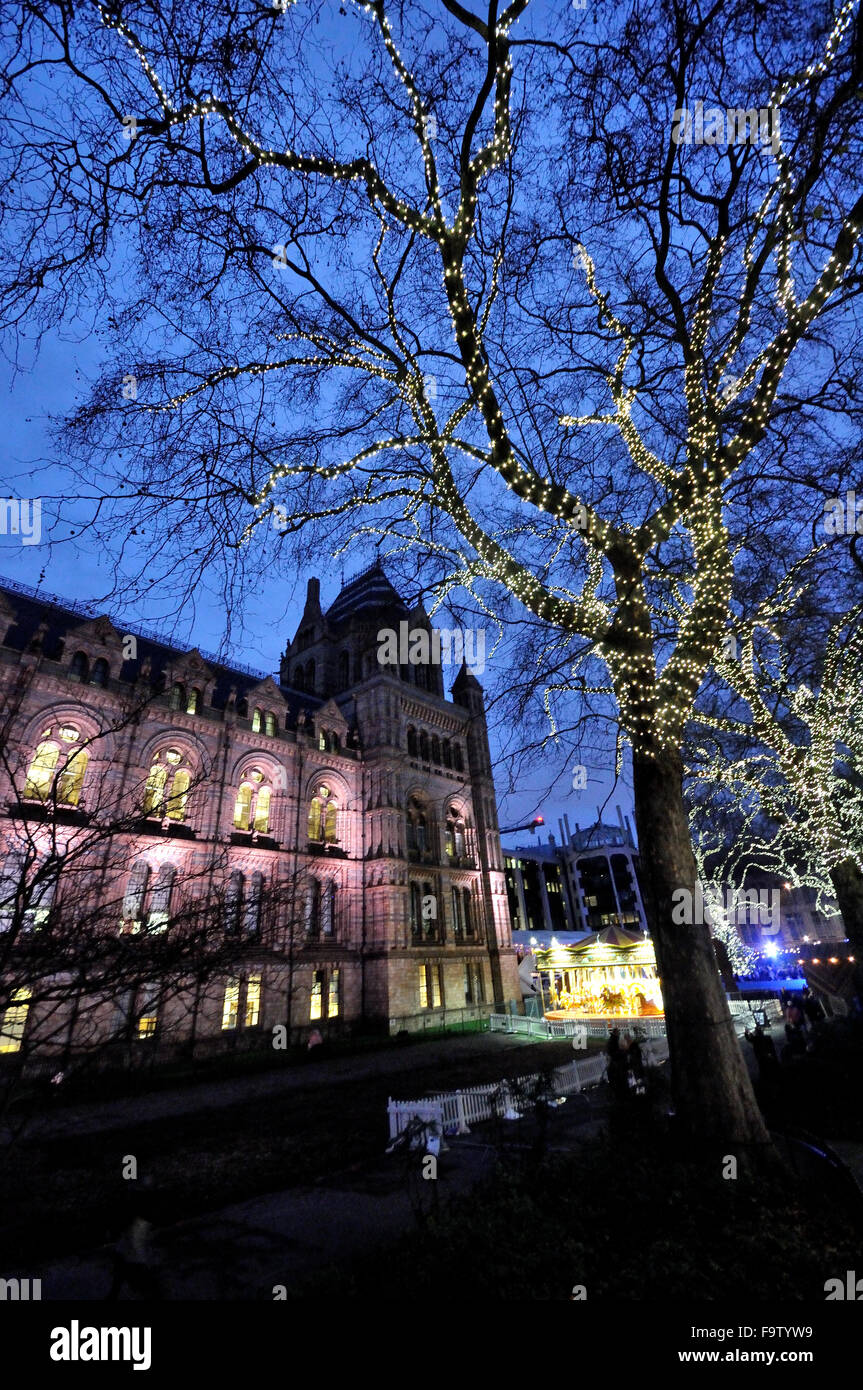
611 974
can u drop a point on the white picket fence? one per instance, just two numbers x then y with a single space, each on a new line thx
458 1110
569 1027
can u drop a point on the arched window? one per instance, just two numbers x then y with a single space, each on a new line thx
299 679
424 746
417 827
323 817
99 675
447 753
193 704
178 695
154 791
71 778
468 912
416 905
457 919
243 708
256 721
455 841
435 749
458 761
252 807
40 773
166 771
62 759
175 807
344 670
160 900
133 898
233 901
270 724
310 675
80 668
313 907
252 907
412 742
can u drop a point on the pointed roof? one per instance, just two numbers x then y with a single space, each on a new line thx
366 593
465 677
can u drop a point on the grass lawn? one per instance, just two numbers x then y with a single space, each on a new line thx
69 1194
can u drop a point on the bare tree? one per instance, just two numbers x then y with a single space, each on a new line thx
536 318
98 966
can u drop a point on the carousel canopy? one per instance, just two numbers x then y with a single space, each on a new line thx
611 946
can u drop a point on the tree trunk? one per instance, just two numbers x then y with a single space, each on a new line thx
712 1090
848 886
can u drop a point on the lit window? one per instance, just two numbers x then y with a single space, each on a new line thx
71 779
256 721
270 724
154 791
193 704
231 1004
253 1000
155 788
148 1016
323 817
243 806
333 1004
47 761
176 806
40 774
178 696
317 996
252 807
430 986
14 1021
262 811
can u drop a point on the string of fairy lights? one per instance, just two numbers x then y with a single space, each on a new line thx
654 705
802 772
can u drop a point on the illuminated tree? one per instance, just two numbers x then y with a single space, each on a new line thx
789 757
524 327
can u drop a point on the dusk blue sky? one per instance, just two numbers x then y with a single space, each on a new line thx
71 568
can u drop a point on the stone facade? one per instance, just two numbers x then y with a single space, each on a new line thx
335 826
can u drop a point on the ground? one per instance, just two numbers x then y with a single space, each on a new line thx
280 1181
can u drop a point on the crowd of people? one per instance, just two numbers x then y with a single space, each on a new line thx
803 1015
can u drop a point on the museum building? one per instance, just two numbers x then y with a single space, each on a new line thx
334 826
